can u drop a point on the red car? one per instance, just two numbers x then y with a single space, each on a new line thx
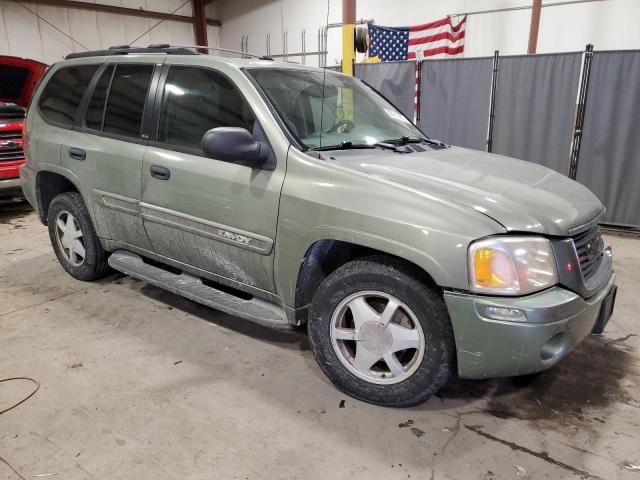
18 80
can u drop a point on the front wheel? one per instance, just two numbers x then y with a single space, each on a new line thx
380 334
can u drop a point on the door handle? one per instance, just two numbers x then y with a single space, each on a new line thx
161 173
77 153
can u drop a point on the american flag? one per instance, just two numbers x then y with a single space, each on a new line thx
435 39
441 38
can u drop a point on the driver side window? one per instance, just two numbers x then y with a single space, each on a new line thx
196 100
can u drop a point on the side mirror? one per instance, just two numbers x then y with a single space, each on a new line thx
236 145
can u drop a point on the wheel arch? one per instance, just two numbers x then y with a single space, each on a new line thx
324 256
49 184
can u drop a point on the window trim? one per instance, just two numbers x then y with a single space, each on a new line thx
157 111
81 113
146 112
45 84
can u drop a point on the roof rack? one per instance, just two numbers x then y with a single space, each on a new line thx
218 49
158 48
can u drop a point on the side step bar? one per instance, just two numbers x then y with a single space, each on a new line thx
255 310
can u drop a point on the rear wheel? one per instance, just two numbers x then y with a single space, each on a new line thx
74 239
380 334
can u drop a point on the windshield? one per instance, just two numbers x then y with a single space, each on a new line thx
349 112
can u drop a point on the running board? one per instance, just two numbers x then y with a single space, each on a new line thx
191 287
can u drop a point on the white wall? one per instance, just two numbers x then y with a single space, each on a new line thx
23 34
611 24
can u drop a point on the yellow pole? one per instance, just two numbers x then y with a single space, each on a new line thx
348 52
348 33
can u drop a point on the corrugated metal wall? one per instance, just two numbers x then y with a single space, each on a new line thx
23 34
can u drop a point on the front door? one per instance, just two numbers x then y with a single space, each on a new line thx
217 216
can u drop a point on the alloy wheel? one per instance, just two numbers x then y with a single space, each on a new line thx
377 337
70 238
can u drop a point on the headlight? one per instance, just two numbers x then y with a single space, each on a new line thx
511 265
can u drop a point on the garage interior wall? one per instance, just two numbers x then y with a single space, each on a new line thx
610 24
454 100
609 162
391 80
535 107
25 35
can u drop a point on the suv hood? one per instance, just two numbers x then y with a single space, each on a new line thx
19 79
521 196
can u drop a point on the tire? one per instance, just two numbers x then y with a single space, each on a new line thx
69 211
420 309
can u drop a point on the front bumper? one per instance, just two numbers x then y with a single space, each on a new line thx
10 188
557 320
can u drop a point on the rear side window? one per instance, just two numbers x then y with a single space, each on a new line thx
62 94
126 99
196 100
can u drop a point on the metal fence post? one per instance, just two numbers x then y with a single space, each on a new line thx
418 90
583 90
492 100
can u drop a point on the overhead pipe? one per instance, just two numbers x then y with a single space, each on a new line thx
521 7
324 36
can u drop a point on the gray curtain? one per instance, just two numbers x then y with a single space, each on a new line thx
395 80
535 108
454 100
609 162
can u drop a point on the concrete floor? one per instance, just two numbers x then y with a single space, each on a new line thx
141 384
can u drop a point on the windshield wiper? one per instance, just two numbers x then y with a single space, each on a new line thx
394 145
391 146
346 145
349 144
406 140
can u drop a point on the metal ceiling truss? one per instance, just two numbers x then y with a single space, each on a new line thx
199 19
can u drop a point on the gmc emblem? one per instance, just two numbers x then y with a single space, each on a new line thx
594 247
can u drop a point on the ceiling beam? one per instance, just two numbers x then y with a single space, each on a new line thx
132 12
534 27
200 23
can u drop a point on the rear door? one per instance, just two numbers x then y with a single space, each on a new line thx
51 118
106 149
218 216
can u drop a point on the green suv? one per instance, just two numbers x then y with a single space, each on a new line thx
286 195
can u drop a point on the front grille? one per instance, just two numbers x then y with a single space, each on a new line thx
590 250
10 154
10 135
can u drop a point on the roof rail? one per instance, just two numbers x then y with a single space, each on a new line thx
218 49
159 48
128 49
